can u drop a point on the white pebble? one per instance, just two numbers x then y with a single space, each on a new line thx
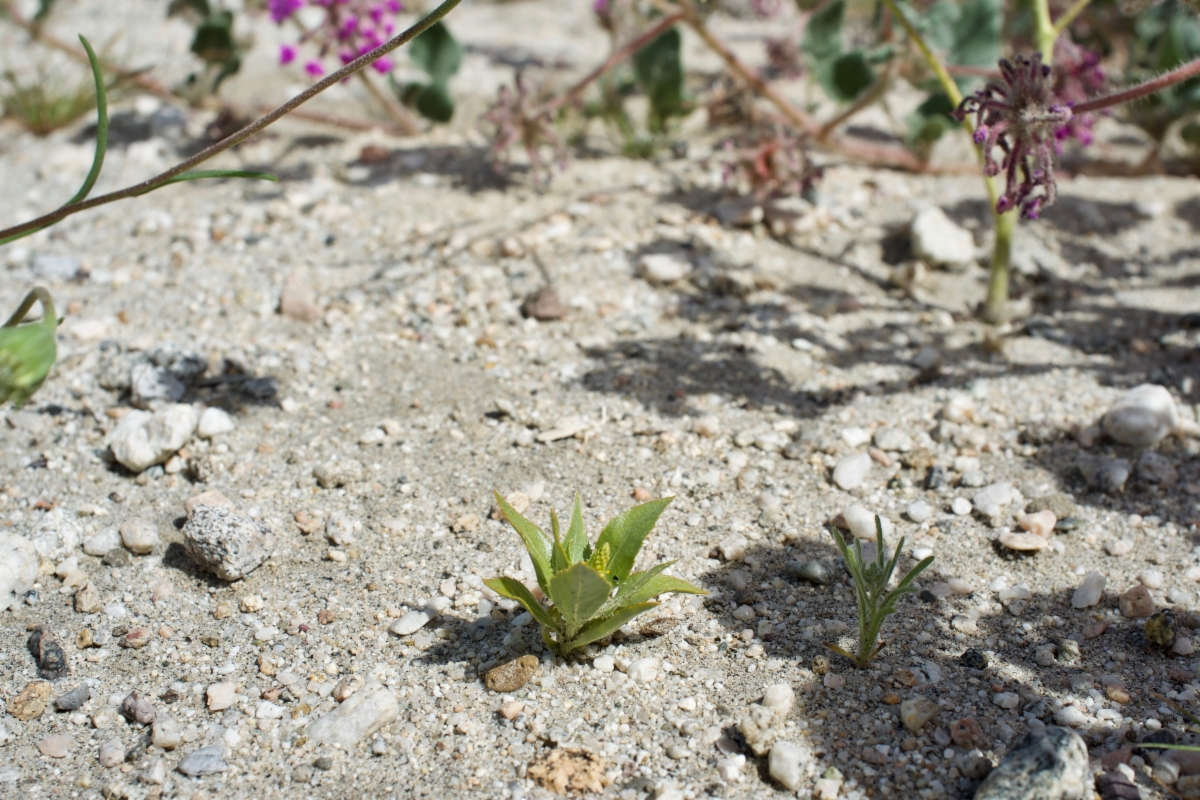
855 437
1006 699
851 471
960 506
604 663
102 542
1119 547
1090 591
919 511
1151 579
1142 417
1070 716
786 764
1183 646
643 670
861 523
213 422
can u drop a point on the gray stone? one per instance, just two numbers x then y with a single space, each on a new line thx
663 268
940 242
73 699
213 422
102 541
55 267
18 568
139 535
1107 475
225 543
366 711
1142 417
142 439
150 384
893 440
205 761
1050 764
1062 505
813 572
338 473
1154 467
56 534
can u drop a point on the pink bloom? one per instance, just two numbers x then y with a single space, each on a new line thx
314 69
282 9
383 65
287 54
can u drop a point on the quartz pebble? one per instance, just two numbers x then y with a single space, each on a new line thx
915 712
786 764
221 696
960 506
861 523
165 732
643 670
1142 417
1021 541
56 746
1040 522
603 663
204 761
139 535
892 439
18 568
365 712
663 268
991 500
940 242
225 543
1136 603
112 753
142 439
102 541
1090 591
851 471
1070 716
813 572
213 422
1119 547
919 511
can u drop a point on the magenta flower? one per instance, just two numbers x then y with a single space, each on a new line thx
314 69
282 9
1020 115
287 54
349 29
1078 77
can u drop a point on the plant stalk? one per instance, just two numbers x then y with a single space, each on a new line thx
1044 33
1164 81
1069 16
401 117
37 293
245 133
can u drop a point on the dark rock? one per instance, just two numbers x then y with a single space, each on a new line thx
117 557
51 660
73 699
1160 736
974 659
543 305
1061 504
1051 764
813 572
1115 786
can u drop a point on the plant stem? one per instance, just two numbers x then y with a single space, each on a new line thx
1167 79
865 99
1044 33
245 133
35 294
1071 13
401 117
996 302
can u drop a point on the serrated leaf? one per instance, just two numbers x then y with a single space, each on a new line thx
625 533
642 586
515 590
213 41
575 542
603 627
437 53
536 543
977 33
659 70
578 593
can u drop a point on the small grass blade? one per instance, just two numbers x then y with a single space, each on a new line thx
200 174
101 126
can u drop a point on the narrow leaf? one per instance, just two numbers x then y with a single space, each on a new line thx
841 652
200 174
578 593
558 556
603 627
101 125
625 534
536 543
642 586
515 590
576 542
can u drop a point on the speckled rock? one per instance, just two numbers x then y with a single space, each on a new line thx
18 568
225 543
511 676
1050 764
143 439
365 712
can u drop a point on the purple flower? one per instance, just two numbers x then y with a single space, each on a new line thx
1078 77
314 69
1020 115
282 9
347 29
382 65
287 54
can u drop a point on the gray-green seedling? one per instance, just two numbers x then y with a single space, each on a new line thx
591 590
871 579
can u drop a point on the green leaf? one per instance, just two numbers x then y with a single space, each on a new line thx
435 103
659 70
27 352
625 534
536 543
929 121
558 556
200 174
437 53
578 593
848 77
642 586
576 543
515 590
977 33
936 24
101 126
603 627
213 41
822 42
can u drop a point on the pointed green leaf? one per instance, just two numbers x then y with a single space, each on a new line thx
603 627
625 534
558 556
101 125
576 543
515 590
199 174
536 543
436 52
578 593
642 586
435 103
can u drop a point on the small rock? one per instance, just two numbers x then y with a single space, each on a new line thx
780 699
297 301
511 676
136 639
643 670
87 599
940 242
1106 475
1183 646
365 712
991 500
112 753
1144 416
18 568
851 471
663 268
142 439
225 543
139 535
544 305
339 473
347 686
137 709
1151 578
31 701
760 727
1136 603
210 498
974 659
205 761
1070 716
1161 628
733 547
51 660
339 530
960 506
511 709
892 440
915 712
1061 505
1040 522
1155 468
73 699
214 422
101 542
813 572
56 746
1027 542
919 511
861 523
221 695
166 732
786 764
1116 785
1049 764
604 663
150 385
1119 547
412 622
566 770
967 734
1090 591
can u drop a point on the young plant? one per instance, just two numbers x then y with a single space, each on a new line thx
579 580
875 601
27 352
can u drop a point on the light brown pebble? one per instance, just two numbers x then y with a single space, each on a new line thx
166 632
1042 523
641 495
511 676
85 639
223 611
1027 542
31 702
891 699
1136 603
879 456
511 709
136 639
56 746
87 599
1118 694
210 498
162 590
967 734
1094 629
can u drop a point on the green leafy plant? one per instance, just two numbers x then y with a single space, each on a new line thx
658 68
591 590
875 601
439 55
842 75
27 352
213 42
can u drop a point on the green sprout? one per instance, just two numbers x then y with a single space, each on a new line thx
580 580
875 602
27 352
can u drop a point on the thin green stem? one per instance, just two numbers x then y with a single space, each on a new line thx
35 294
1044 33
245 133
1067 18
401 117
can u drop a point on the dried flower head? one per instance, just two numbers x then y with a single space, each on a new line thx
1020 115
1078 76
783 58
349 29
519 117
772 163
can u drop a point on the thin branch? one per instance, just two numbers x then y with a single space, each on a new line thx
865 99
1069 16
1167 79
398 114
245 133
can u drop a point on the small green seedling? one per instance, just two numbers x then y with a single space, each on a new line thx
875 602
580 580
27 352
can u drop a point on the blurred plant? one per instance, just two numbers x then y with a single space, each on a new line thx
579 580
842 75
518 117
213 42
875 601
1078 77
347 30
771 163
439 56
44 104
27 352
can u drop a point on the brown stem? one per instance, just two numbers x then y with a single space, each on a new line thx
640 41
148 84
245 133
401 117
1167 79
864 100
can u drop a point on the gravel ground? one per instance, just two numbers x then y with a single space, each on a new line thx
370 426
